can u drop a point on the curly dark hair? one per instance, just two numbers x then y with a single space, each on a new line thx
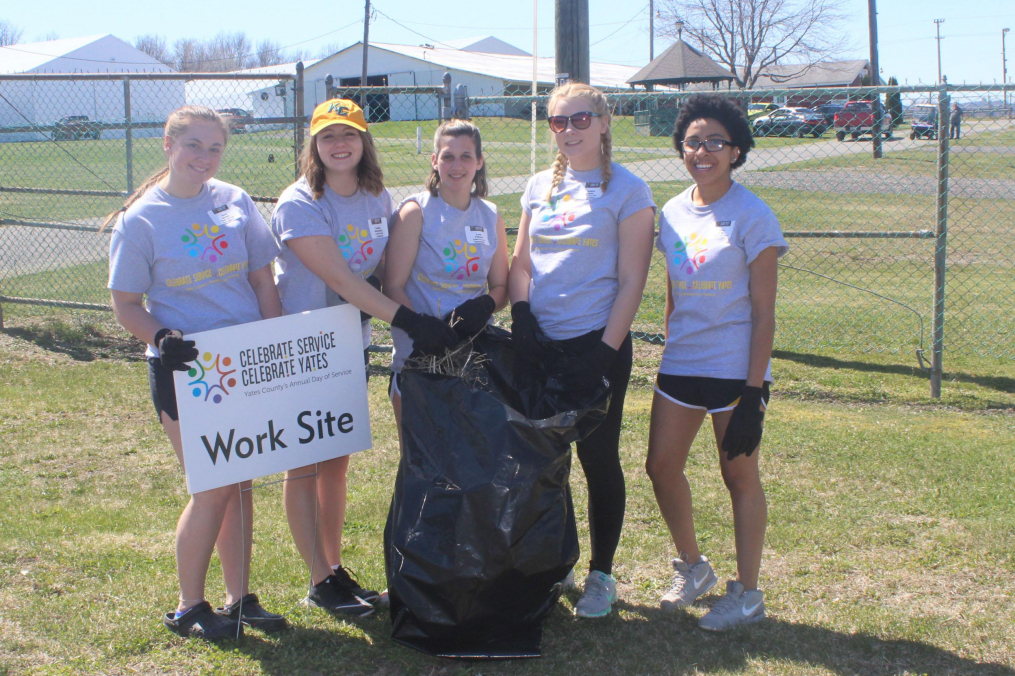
723 110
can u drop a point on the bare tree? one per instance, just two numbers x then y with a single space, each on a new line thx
187 55
10 34
229 51
269 53
154 45
749 36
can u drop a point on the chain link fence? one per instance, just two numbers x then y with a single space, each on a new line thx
910 251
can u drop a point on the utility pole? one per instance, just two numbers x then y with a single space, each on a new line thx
366 45
939 22
1004 71
572 40
651 30
872 22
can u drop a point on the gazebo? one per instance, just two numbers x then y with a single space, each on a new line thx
679 66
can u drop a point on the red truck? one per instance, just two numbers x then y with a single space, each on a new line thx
857 119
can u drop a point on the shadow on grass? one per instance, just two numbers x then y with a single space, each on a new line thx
998 383
81 342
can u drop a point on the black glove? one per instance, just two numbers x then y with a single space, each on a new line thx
373 281
743 433
600 359
429 334
524 329
470 317
174 351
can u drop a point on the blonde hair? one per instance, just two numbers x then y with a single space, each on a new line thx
368 172
456 128
176 124
600 106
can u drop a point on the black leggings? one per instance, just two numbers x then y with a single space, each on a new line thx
599 455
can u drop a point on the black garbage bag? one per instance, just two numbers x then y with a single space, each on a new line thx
481 529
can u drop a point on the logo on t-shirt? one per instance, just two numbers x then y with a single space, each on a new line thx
558 216
207 368
355 245
456 251
689 255
205 242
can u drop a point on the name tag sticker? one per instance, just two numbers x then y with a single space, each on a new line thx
476 234
725 227
378 228
225 215
594 190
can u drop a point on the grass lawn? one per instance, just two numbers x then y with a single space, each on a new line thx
889 549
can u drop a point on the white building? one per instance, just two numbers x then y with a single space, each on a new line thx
506 71
44 102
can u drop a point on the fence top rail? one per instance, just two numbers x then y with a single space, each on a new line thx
148 76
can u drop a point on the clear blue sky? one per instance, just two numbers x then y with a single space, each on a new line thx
970 52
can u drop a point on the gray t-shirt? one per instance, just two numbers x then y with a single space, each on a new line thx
358 224
456 249
573 244
708 250
191 257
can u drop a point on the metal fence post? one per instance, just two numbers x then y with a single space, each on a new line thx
940 243
298 115
128 135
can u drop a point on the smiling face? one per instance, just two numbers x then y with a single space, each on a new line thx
340 147
709 170
582 147
456 163
194 155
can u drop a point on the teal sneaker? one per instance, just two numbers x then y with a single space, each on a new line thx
737 607
598 597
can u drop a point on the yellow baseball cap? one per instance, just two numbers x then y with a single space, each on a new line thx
337 111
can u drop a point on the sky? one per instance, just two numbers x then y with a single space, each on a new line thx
970 48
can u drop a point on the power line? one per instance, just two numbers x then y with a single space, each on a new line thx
622 27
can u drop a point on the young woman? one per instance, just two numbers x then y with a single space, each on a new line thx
579 269
332 225
721 245
448 250
182 222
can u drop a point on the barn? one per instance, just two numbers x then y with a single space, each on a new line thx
45 102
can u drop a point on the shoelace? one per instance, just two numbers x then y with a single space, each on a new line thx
727 603
680 579
595 589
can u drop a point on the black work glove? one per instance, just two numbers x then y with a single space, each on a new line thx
174 351
600 359
373 281
743 433
525 329
470 317
429 334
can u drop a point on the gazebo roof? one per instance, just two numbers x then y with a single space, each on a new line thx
680 64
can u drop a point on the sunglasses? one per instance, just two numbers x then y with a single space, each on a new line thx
712 145
558 123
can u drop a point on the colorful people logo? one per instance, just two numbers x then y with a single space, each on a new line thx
688 256
559 220
451 253
355 244
205 370
213 250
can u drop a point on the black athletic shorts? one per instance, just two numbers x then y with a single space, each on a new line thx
708 394
160 380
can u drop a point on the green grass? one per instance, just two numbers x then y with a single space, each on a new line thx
889 549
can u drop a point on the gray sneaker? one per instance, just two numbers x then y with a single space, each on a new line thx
737 607
690 582
599 596
568 582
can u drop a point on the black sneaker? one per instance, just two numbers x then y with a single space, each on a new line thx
254 615
200 621
333 596
344 576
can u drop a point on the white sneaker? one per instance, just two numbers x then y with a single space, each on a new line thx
690 582
737 607
598 597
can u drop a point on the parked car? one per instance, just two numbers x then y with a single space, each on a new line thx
857 119
237 118
74 127
790 122
758 109
829 110
924 123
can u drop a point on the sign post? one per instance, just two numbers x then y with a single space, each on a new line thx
273 395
